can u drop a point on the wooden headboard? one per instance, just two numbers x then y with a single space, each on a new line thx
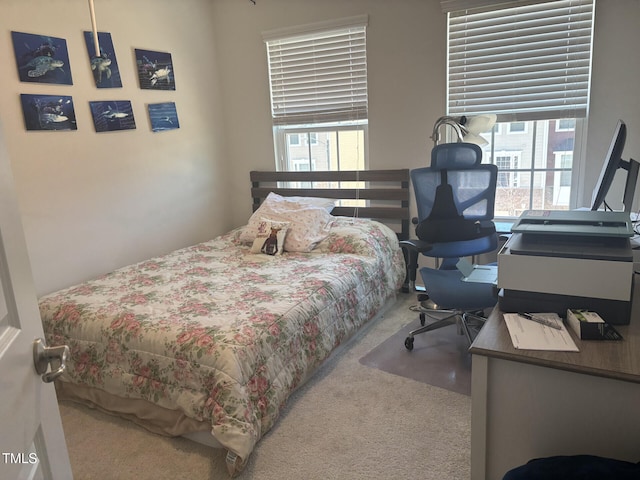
386 192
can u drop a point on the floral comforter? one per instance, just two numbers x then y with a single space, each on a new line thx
220 334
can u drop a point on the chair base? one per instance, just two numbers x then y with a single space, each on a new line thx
469 323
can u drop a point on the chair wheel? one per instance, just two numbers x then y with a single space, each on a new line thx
408 343
423 319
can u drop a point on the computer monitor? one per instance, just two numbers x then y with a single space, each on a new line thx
612 162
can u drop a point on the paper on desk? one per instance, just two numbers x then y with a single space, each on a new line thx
530 335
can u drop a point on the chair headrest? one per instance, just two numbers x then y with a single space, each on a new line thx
455 155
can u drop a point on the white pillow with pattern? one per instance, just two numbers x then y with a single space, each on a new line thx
308 224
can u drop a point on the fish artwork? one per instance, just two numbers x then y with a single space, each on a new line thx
52 118
51 111
41 59
155 70
100 65
48 112
112 114
161 74
41 65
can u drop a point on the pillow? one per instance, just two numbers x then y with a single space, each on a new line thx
358 236
270 237
347 235
326 203
308 225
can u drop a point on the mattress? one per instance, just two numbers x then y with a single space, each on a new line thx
219 337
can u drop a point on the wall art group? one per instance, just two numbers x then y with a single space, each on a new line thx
44 59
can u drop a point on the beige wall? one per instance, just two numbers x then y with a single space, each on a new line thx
614 90
92 202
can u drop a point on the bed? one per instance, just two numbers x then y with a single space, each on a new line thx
212 339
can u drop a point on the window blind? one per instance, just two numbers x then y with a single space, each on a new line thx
523 63
458 5
318 77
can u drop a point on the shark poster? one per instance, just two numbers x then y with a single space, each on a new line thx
105 67
48 112
112 115
155 70
41 59
163 116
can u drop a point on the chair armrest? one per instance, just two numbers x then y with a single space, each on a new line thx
419 246
412 249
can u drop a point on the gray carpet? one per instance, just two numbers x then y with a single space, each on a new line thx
350 421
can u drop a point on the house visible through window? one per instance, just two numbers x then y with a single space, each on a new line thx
507 163
530 65
517 127
318 81
534 167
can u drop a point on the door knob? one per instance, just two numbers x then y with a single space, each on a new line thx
44 356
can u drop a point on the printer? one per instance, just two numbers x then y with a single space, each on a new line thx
577 259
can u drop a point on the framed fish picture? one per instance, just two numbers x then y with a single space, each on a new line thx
104 67
112 115
155 70
163 116
41 59
48 112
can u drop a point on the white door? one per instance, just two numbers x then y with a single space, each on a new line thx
32 442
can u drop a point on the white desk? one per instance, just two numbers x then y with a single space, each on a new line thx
528 404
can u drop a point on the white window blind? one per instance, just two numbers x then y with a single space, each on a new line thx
458 5
319 76
523 63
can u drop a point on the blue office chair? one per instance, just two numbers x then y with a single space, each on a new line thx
455 197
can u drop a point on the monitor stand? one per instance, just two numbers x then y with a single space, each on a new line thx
632 167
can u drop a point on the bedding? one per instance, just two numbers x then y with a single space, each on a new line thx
308 224
216 336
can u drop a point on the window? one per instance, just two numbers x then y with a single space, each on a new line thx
301 165
293 139
323 147
534 167
565 125
507 163
530 64
517 127
318 82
